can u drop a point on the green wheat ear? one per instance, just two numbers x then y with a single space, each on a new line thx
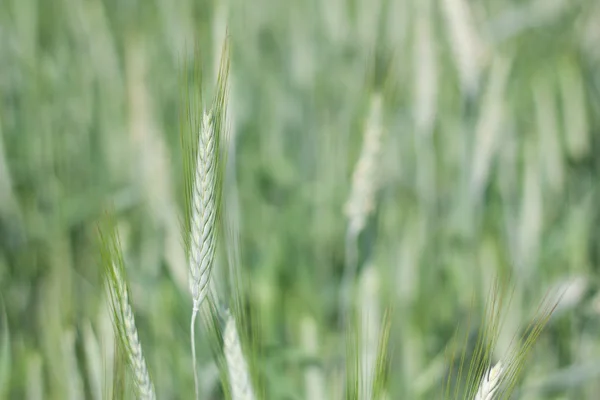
204 137
483 377
121 311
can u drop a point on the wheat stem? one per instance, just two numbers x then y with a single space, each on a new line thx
370 318
193 340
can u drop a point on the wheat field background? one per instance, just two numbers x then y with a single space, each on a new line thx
436 144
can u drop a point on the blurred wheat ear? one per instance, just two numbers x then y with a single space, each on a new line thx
482 378
204 135
239 376
121 311
362 199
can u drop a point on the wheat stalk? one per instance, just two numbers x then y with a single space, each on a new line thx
484 382
488 127
364 183
361 201
314 381
576 128
237 367
93 358
35 377
426 70
74 382
203 218
204 213
152 162
202 148
370 317
466 44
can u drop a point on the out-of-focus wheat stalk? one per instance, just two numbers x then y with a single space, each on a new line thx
93 358
5 352
9 206
74 382
314 382
35 377
574 107
567 294
370 330
361 202
548 134
465 42
425 71
219 34
368 17
488 128
237 367
6 192
520 17
368 355
425 100
108 344
152 170
531 219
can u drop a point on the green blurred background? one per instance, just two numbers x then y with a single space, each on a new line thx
487 166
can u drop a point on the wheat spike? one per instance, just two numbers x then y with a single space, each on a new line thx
239 377
202 146
490 383
122 314
202 225
204 212
127 332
